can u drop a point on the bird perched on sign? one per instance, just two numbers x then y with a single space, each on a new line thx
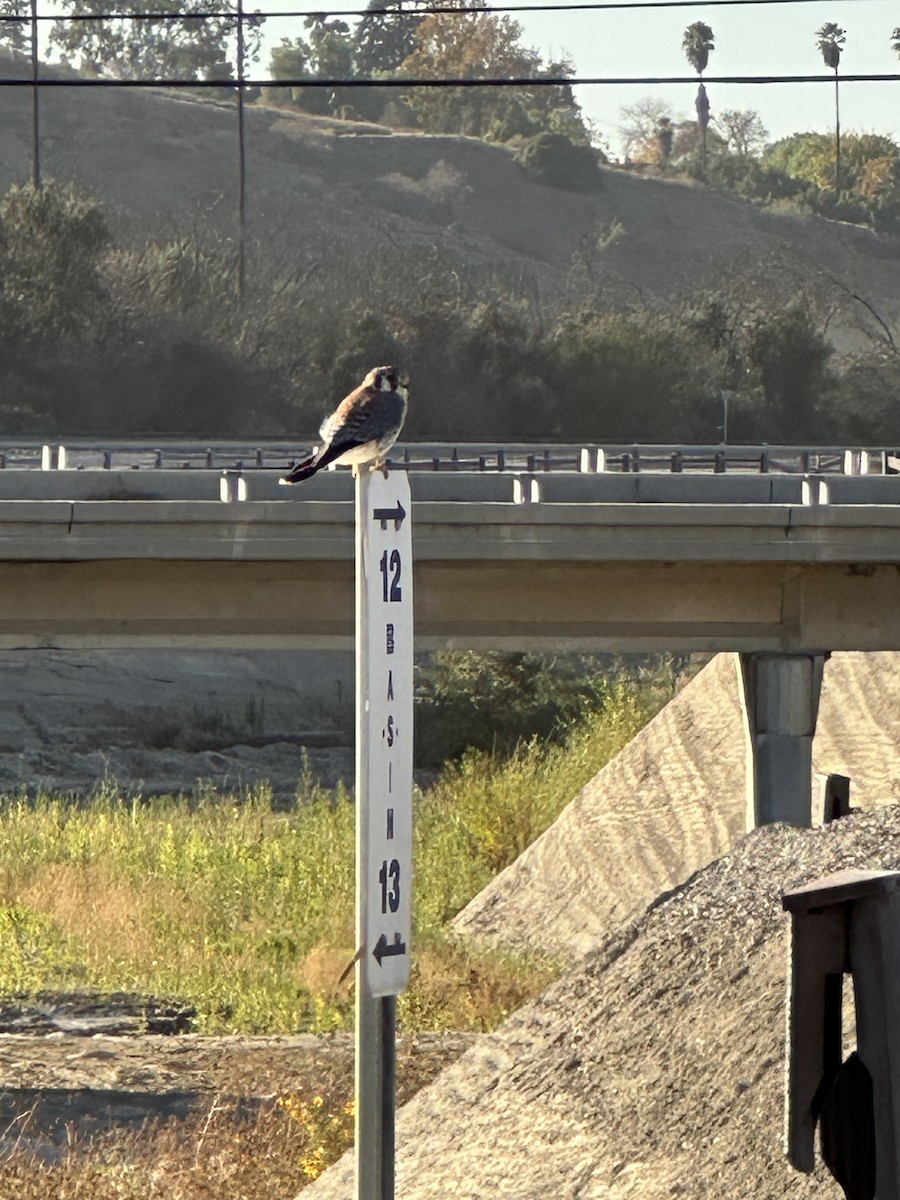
363 427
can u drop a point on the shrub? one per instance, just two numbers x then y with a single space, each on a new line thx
51 290
790 358
492 701
498 805
634 377
745 175
560 162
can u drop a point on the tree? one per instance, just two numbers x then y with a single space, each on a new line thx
436 45
59 326
742 129
381 42
634 375
688 145
290 60
385 36
698 44
895 41
830 38
155 47
810 157
790 359
326 53
640 129
665 139
15 34
473 46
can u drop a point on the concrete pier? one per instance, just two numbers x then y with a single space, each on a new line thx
781 702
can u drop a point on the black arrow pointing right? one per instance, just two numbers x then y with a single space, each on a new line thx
390 514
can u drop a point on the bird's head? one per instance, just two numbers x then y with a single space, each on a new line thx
389 379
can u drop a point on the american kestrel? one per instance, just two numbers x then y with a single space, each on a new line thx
363 427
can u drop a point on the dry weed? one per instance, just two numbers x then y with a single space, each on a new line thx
455 986
99 911
323 973
257 1152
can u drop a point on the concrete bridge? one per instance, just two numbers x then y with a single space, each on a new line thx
779 553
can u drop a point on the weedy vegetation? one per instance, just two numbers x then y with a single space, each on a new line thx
244 910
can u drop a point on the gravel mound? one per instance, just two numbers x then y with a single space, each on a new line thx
654 1068
673 800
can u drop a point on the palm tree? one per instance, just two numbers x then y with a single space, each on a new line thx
698 43
830 39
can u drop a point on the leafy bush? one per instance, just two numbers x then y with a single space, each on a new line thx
501 804
811 157
560 162
635 377
51 289
492 701
790 358
745 175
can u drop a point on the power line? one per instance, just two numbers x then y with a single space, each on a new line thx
438 9
544 81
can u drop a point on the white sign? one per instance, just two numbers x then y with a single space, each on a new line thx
384 727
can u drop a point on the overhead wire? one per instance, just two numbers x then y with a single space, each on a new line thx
430 10
241 17
526 82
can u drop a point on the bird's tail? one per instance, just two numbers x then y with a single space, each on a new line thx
310 465
301 471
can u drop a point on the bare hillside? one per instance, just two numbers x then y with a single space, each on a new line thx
673 800
319 189
655 1067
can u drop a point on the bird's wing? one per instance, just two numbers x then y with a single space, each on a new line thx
365 415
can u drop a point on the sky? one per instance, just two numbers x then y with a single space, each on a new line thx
749 39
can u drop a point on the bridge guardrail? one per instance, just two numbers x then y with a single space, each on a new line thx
588 458
458 487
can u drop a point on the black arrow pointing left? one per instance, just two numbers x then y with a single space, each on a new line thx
385 950
390 514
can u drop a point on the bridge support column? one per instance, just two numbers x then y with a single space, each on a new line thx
781 702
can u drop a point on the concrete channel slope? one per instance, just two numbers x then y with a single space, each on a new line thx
673 800
654 1068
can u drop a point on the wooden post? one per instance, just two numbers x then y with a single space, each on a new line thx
846 923
831 799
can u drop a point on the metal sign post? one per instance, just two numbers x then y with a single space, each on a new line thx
384 746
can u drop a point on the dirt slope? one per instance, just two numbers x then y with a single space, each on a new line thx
655 1067
167 165
673 800
161 722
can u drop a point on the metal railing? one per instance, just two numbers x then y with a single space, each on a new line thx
595 458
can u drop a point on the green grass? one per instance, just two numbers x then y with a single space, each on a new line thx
247 911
